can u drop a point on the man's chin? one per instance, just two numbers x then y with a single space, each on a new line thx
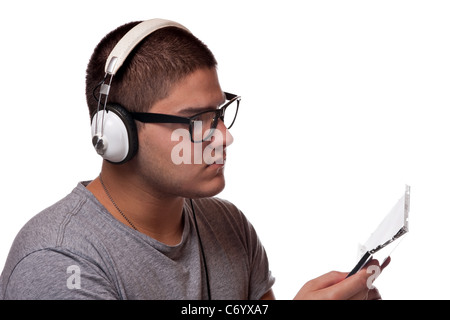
212 189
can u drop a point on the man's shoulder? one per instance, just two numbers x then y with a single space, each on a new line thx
221 212
47 225
50 228
212 205
216 201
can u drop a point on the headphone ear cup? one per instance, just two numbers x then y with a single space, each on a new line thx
119 141
131 129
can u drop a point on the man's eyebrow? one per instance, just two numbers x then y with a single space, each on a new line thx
190 111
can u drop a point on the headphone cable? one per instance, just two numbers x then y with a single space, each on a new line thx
202 251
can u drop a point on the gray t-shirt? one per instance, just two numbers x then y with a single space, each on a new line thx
76 249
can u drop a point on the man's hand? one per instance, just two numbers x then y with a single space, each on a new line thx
335 286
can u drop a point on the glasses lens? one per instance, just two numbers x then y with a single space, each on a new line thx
201 125
230 114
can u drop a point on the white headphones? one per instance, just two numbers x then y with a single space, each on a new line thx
113 130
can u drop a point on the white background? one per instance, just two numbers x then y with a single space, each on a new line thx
343 103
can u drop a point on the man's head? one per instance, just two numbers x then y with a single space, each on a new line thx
149 72
169 72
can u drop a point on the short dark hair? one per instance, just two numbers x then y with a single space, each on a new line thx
158 62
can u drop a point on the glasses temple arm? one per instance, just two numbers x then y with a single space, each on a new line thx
158 118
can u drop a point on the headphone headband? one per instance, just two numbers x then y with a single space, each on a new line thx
131 39
114 133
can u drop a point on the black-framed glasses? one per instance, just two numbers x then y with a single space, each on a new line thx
201 125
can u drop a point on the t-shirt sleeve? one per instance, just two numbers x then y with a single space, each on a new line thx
261 279
57 275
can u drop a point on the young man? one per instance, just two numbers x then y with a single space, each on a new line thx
148 227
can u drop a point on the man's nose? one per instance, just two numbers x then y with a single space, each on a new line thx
225 138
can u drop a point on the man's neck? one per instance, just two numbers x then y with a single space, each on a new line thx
154 214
